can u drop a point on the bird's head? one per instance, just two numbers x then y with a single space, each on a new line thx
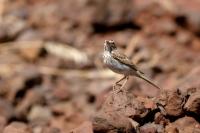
109 45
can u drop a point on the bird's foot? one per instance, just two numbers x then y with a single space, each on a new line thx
117 89
115 85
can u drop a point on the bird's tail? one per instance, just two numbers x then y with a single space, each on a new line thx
141 75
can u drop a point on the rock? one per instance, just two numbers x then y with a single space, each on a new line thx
17 127
119 112
191 80
172 101
3 34
193 103
13 29
6 109
160 119
3 122
195 44
151 128
30 35
113 122
184 37
108 15
39 113
31 98
183 125
189 12
48 130
148 103
61 91
86 127
67 123
31 50
175 103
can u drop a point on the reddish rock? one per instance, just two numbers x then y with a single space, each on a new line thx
174 104
3 122
191 80
151 128
61 91
32 97
86 127
52 130
183 125
172 101
30 50
17 127
39 113
6 109
118 113
160 119
193 103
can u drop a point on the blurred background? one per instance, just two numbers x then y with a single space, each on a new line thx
52 78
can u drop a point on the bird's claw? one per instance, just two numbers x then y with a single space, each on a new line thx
117 90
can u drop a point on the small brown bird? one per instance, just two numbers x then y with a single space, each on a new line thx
121 64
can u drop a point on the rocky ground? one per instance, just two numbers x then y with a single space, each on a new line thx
52 79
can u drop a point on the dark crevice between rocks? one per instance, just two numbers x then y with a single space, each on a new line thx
4 38
191 114
33 81
194 115
100 28
197 33
7 38
174 118
115 131
173 33
137 49
29 83
91 99
148 118
142 60
43 53
181 21
21 119
157 70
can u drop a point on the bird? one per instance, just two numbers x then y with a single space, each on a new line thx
121 64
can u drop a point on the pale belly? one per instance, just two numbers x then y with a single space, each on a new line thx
118 67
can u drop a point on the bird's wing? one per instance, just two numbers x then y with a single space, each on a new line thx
123 59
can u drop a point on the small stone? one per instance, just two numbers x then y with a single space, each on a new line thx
6 109
61 91
31 50
17 127
39 113
86 127
160 119
3 122
183 125
151 128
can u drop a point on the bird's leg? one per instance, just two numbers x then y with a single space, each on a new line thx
117 83
120 89
127 77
